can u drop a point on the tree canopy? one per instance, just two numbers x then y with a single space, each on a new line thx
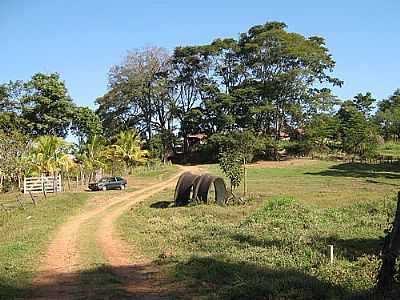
42 106
265 93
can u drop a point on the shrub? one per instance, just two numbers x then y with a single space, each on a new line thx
230 162
245 142
297 148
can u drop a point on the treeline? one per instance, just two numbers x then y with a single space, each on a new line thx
267 90
270 83
36 116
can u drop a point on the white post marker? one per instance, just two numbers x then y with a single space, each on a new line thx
331 253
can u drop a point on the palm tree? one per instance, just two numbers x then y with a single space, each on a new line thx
92 155
48 155
128 148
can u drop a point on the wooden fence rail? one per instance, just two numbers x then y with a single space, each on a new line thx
42 184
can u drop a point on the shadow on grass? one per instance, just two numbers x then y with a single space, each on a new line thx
222 279
101 282
162 204
350 249
256 242
359 170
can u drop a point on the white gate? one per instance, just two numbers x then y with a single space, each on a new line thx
40 184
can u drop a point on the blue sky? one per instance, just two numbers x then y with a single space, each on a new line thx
81 40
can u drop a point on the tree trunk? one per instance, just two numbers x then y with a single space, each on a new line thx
69 183
149 131
81 174
390 253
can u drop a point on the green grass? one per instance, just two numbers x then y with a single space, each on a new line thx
160 171
275 246
326 184
24 235
391 148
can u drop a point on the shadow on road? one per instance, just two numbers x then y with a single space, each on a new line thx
101 282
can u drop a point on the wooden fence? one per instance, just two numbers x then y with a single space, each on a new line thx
42 184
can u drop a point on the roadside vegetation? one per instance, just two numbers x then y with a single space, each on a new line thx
390 149
264 95
25 234
26 230
276 245
193 105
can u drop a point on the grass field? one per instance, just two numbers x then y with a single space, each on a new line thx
275 246
143 176
390 148
24 235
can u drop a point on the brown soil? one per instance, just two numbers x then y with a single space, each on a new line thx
283 163
59 273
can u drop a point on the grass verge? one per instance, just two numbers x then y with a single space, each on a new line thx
275 247
24 235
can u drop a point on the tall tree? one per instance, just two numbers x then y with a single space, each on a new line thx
364 103
139 93
10 106
49 153
285 67
46 106
42 106
359 135
191 72
388 115
128 148
13 147
85 123
268 80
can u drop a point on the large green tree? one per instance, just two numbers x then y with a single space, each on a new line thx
49 153
85 123
388 115
46 107
288 70
139 95
267 80
13 147
42 106
128 148
358 134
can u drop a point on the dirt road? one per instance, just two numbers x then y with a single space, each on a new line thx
63 274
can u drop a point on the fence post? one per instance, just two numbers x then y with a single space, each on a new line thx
42 183
25 185
60 182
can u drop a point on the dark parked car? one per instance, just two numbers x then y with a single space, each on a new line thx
108 183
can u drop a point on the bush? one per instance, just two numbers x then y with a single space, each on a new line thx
8 185
230 162
297 148
245 142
